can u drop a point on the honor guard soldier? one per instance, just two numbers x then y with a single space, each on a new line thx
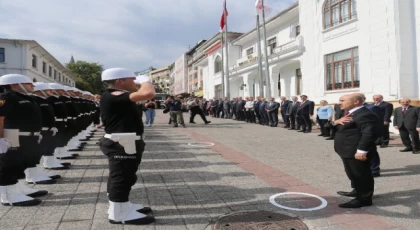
122 143
20 124
66 128
48 131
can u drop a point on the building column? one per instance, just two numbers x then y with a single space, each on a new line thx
248 82
274 75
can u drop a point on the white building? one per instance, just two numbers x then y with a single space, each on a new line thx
327 48
29 58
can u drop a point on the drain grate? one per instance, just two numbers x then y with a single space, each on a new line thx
258 220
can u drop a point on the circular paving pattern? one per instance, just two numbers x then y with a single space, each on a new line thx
201 144
321 206
258 220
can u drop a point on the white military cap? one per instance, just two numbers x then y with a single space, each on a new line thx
56 86
67 88
39 86
116 73
10 79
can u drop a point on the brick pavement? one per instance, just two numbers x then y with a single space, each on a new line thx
188 187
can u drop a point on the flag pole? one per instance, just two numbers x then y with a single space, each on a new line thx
223 71
267 66
260 70
227 55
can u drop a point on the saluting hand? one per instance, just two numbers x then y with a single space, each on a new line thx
343 120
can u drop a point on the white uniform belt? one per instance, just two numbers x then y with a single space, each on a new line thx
60 119
28 133
45 129
109 136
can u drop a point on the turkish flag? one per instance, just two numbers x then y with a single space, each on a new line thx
223 20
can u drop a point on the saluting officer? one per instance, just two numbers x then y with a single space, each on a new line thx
20 124
122 143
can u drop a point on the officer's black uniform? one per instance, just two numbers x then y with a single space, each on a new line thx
120 115
60 111
47 144
19 112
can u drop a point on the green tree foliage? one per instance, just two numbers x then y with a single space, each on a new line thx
88 76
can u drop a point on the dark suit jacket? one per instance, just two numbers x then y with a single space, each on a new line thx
386 109
257 106
376 110
306 108
284 106
274 107
338 113
292 109
361 133
411 119
263 106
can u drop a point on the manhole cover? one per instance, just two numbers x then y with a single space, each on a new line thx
258 220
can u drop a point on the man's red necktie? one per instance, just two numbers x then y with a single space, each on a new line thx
404 110
347 113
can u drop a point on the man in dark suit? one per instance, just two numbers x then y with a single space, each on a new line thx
284 105
273 112
386 109
354 142
240 106
233 108
214 105
305 112
407 121
292 113
220 109
257 104
226 108
263 112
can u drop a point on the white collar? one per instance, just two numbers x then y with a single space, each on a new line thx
355 109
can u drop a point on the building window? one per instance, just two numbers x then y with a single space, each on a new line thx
338 11
272 43
297 30
44 67
195 75
279 85
342 70
218 64
250 51
34 60
49 71
298 82
59 76
2 55
55 74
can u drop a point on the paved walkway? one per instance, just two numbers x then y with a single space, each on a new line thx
188 187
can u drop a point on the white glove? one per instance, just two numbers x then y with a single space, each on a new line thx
54 130
40 138
4 145
142 79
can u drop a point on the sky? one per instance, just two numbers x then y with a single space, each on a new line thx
134 34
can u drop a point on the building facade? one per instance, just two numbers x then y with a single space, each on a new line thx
195 73
161 79
29 58
180 82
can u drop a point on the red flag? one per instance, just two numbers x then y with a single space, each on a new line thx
258 5
223 19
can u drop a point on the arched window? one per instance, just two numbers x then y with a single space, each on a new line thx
218 64
338 11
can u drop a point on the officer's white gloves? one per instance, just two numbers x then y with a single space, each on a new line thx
142 79
54 130
4 146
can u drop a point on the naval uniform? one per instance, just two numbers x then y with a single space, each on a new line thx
120 115
22 114
47 145
60 112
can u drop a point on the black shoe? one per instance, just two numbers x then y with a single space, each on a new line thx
286 127
384 145
353 193
307 131
38 194
44 182
376 174
301 131
355 203
25 203
142 221
416 152
144 210
291 129
192 122
407 149
207 122
321 135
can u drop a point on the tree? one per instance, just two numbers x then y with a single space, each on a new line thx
88 76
